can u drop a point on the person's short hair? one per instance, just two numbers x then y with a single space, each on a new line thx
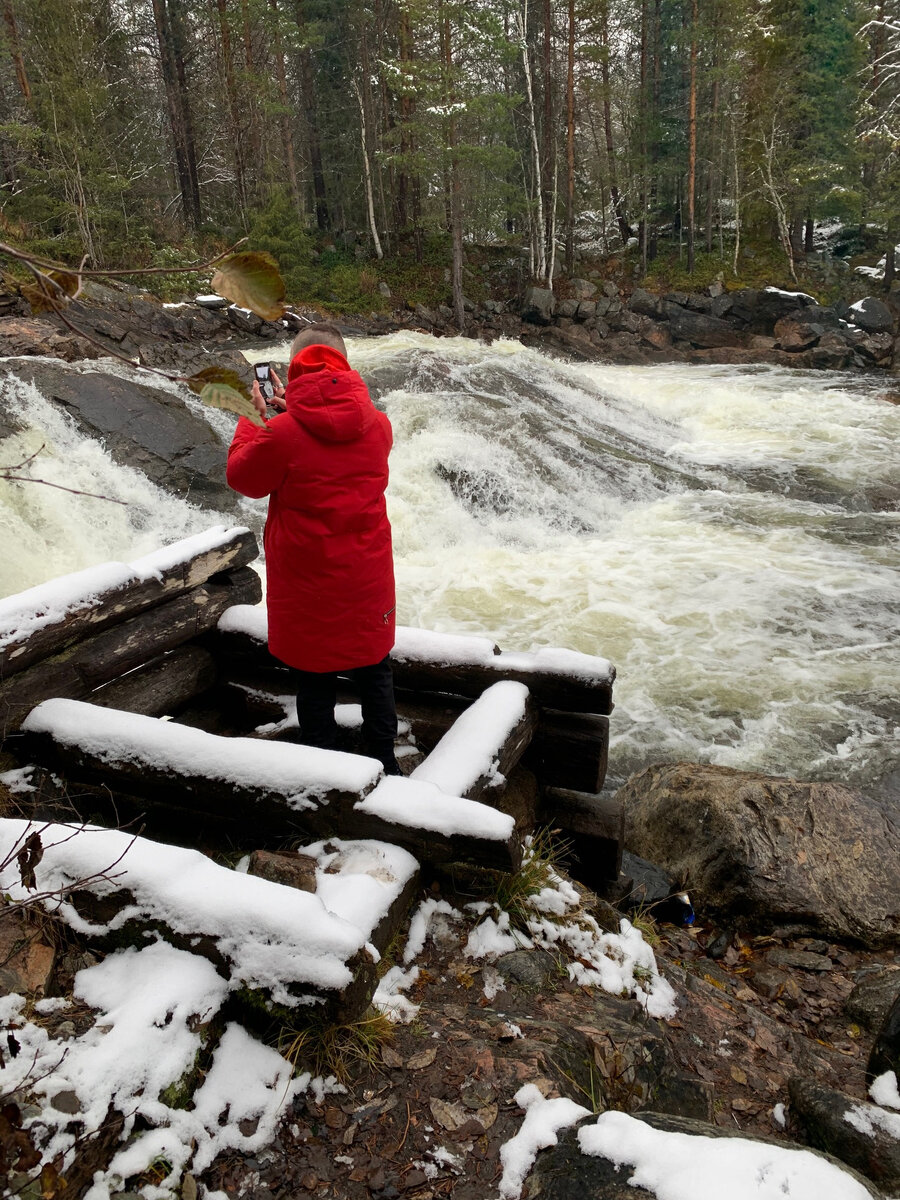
320 333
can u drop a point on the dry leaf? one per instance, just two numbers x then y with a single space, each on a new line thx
450 1116
218 395
189 1188
738 1075
251 280
487 1115
390 1057
423 1059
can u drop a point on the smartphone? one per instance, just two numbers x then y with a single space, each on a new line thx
264 379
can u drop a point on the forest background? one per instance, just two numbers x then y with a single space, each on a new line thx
408 143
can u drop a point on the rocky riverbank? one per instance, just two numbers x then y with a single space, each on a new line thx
585 319
775 1035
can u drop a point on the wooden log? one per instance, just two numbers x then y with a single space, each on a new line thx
161 686
595 825
550 688
568 750
276 789
85 666
483 744
46 619
583 689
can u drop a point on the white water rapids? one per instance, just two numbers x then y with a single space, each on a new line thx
720 533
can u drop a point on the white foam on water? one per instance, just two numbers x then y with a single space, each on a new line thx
723 535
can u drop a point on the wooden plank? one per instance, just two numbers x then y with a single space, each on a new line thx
595 825
161 686
77 671
46 619
483 745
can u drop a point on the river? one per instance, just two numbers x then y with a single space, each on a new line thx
723 534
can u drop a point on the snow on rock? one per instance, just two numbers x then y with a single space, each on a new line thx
468 751
271 937
51 603
868 1119
424 917
543 1121
422 805
446 649
620 963
793 295
884 1090
296 774
360 880
683 1166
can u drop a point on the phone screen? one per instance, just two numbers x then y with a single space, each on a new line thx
263 379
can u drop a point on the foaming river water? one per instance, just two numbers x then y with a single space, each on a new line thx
727 536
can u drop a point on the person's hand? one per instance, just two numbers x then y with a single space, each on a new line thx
277 401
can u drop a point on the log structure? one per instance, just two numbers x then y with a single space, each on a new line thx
503 742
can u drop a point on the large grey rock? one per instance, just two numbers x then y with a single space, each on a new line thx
141 426
873 315
763 851
538 305
700 329
860 1142
644 302
583 289
885 1055
873 997
564 1173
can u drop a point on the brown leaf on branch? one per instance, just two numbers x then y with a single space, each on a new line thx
251 280
50 289
222 375
28 858
219 395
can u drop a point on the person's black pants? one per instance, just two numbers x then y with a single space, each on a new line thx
316 697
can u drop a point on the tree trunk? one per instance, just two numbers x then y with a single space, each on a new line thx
284 116
175 106
548 173
618 204
15 50
570 144
692 141
455 192
234 109
808 232
310 109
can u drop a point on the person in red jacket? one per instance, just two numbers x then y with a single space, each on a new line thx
323 463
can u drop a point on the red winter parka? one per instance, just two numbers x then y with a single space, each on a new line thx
324 465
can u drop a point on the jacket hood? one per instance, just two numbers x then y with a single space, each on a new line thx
327 397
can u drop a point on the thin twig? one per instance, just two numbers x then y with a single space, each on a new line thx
46 482
405 1131
31 259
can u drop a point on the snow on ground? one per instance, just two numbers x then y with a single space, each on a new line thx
621 963
682 1166
154 1007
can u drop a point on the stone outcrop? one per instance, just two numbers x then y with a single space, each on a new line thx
767 853
141 425
850 1130
564 1173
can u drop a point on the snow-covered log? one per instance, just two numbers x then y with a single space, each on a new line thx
284 945
484 743
76 671
45 619
267 791
446 663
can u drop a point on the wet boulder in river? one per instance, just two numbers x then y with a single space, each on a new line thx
771 853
